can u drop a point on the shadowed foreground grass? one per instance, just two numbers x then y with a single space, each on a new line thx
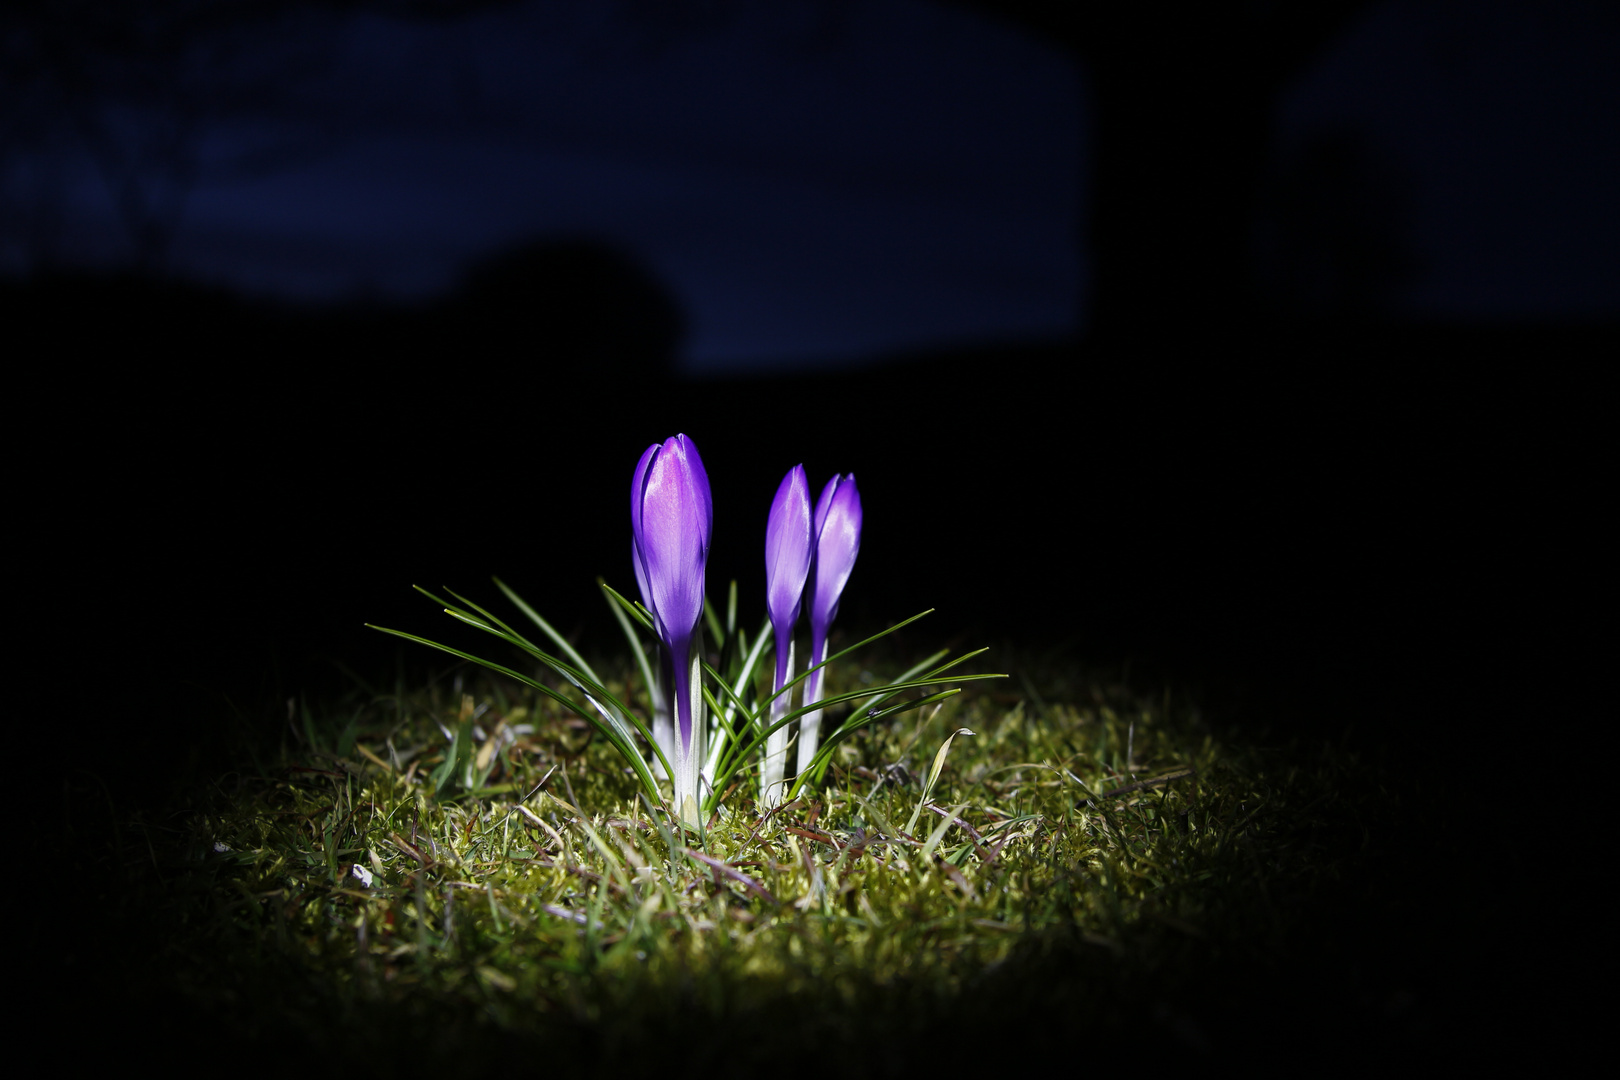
1093 874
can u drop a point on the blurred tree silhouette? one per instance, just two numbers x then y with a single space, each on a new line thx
136 86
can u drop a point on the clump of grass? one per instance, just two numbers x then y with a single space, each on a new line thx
356 885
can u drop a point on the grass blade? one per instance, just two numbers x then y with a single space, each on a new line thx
933 775
609 731
562 642
939 831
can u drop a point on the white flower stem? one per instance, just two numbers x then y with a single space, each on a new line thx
689 750
810 722
771 786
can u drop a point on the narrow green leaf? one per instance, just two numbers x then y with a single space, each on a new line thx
608 731
583 680
939 831
933 775
713 619
647 678
939 758
309 729
731 610
633 608
562 642
615 867
910 673
345 743
833 741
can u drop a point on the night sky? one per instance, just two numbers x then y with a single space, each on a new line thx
818 183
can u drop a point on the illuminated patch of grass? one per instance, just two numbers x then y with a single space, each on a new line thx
332 897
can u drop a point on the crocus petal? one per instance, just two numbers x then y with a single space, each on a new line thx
636 484
824 503
637 560
699 478
838 542
641 573
671 522
787 551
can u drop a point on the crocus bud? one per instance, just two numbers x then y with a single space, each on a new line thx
671 517
787 564
837 529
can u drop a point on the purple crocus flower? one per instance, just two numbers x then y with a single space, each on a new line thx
671 518
787 564
837 528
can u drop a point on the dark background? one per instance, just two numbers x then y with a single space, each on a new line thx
1311 514
1396 535
1252 469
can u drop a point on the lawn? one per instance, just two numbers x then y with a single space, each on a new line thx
1097 869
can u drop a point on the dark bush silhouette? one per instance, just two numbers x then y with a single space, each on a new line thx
1334 237
577 307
